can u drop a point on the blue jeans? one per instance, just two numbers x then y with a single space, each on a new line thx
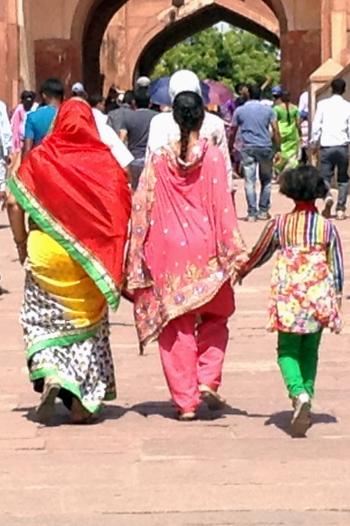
257 161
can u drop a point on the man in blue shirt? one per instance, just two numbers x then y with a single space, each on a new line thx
39 122
261 139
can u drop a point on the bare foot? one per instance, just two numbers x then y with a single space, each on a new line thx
80 415
46 408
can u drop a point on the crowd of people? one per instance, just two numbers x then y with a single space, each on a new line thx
80 169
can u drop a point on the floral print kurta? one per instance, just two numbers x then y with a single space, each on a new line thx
307 276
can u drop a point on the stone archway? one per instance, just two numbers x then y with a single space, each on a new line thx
66 40
157 42
166 26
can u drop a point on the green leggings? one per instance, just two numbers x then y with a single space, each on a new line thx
298 358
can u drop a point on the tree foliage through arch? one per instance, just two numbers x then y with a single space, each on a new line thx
229 56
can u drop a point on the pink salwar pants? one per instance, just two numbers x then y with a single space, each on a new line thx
193 354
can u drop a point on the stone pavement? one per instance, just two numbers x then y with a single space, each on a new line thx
139 466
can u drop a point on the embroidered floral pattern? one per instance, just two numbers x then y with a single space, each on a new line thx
185 239
303 298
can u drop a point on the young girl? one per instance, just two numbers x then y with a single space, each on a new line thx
307 284
184 247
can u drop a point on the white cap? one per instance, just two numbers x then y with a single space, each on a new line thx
184 80
78 87
143 82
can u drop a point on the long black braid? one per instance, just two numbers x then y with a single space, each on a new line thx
185 140
188 111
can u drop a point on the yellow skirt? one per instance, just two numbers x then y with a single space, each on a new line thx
65 280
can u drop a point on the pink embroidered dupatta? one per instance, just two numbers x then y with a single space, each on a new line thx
185 240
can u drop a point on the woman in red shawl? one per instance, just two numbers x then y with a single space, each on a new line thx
184 248
78 202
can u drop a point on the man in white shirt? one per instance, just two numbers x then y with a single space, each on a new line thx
164 130
304 102
107 135
5 147
331 132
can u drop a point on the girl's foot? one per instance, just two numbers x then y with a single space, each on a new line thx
329 202
80 415
212 398
301 420
341 216
187 417
46 408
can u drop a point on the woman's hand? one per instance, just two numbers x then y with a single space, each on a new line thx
22 251
2 200
278 158
20 235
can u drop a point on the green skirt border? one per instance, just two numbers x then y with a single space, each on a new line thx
60 341
69 386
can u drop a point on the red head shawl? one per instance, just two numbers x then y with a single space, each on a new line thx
73 188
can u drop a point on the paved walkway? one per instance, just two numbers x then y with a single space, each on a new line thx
141 467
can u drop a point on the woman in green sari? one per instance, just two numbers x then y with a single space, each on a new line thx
289 125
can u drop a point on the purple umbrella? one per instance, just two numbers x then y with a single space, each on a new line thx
159 92
219 94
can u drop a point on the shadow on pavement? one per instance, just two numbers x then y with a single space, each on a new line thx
282 420
164 409
121 324
167 410
61 416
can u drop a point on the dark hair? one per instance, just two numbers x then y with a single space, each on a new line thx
128 97
254 92
112 92
28 95
286 99
188 111
338 86
303 184
95 99
111 99
53 88
141 97
239 87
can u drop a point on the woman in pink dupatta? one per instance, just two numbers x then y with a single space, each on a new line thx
185 244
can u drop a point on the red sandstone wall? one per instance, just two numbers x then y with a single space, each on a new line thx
9 59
